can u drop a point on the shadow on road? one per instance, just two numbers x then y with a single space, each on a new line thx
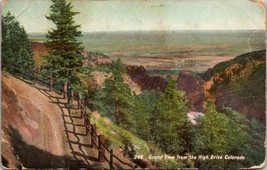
33 157
74 137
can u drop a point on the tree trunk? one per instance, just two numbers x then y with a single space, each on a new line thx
117 114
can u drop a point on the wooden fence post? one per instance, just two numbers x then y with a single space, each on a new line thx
111 159
101 150
87 125
82 114
35 77
82 107
85 114
79 100
50 83
93 136
84 118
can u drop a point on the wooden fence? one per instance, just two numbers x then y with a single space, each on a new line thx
97 141
34 76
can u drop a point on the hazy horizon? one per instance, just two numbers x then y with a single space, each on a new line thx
158 15
162 31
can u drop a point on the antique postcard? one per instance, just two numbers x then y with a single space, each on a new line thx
121 84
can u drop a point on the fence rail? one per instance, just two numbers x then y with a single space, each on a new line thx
94 138
97 141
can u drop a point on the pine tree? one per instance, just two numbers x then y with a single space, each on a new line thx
144 108
116 100
171 126
212 132
257 144
226 133
238 138
65 58
16 47
210 137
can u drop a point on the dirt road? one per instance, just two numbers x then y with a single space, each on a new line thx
40 131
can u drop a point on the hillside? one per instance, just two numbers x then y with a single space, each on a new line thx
240 84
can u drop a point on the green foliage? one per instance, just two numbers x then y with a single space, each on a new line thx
16 47
168 164
172 125
118 68
242 59
227 133
65 58
121 94
118 136
102 103
116 99
126 138
243 80
212 134
160 117
241 73
251 82
163 163
238 138
144 109
258 134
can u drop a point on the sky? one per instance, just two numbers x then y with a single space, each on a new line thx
142 15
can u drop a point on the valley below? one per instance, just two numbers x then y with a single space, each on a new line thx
205 80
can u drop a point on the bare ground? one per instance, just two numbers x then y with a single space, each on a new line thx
173 61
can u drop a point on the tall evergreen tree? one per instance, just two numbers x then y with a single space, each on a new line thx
171 126
258 134
65 58
16 47
211 137
239 139
144 108
226 133
116 100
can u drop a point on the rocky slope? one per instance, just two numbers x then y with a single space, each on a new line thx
139 75
194 87
240 84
